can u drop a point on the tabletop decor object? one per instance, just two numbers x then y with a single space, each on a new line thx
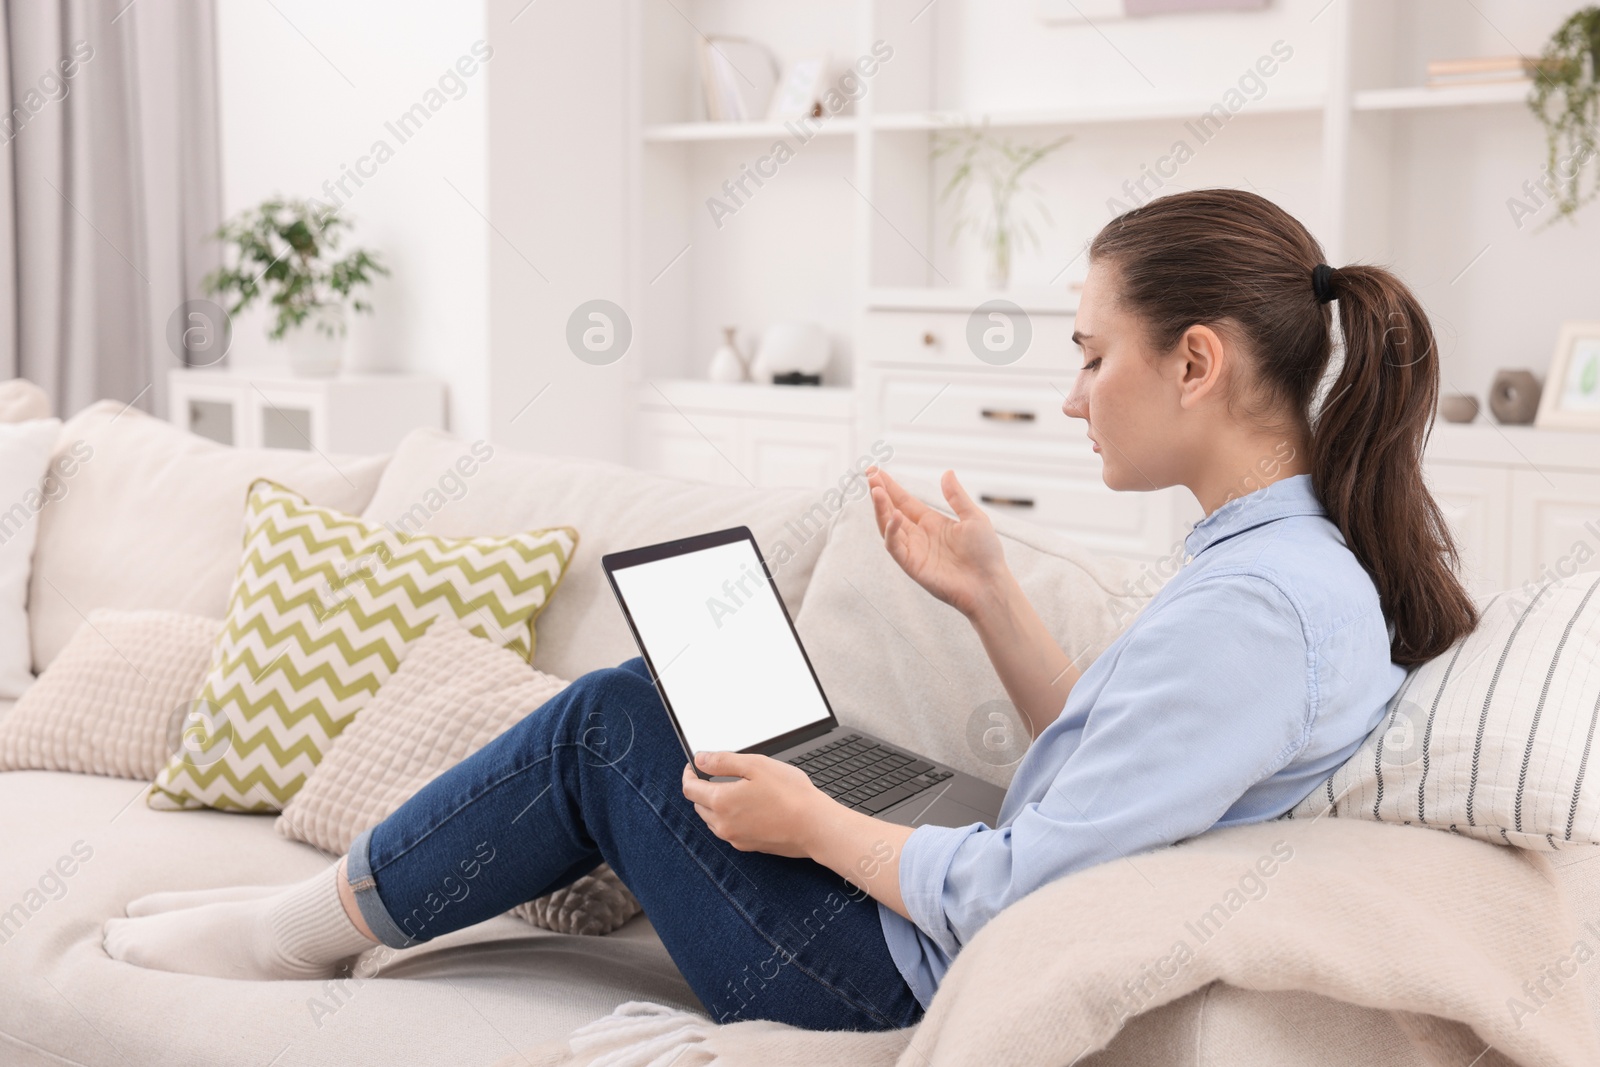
1571 398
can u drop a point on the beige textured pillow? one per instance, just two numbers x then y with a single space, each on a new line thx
114 701
452 694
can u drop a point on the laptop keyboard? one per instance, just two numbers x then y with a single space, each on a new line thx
865 775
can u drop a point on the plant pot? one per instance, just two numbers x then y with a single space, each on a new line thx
316 346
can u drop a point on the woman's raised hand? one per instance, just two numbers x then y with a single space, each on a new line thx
957 560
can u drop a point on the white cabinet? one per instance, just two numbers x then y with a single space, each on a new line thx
1475 502
703 447
1555 523
744 434
355 414
929 393
1523 503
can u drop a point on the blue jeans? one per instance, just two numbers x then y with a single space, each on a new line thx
596 774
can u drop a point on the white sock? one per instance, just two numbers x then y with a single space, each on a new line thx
173 899
301 931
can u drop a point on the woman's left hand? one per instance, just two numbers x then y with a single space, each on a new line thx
773 807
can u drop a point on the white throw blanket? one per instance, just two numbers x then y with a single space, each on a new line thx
1443 931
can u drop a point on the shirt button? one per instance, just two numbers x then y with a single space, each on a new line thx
1188 557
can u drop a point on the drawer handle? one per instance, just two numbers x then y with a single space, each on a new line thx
1008 416
929 340
1008 501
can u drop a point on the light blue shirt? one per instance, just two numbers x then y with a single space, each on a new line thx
1254 672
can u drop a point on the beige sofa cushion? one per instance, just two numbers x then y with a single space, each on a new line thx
442 485
900 664
152 518
116 700
466 997
21 401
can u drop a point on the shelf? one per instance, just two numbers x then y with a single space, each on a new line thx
1422 97
1142 111
692 132
1483 441
795 401
1138 111
1054 300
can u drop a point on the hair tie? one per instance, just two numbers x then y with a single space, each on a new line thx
1322 282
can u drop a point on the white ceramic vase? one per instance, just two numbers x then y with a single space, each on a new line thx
313 353
728 364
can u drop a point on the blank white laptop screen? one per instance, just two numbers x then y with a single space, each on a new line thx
721 647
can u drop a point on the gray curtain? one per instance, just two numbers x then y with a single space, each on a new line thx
110 183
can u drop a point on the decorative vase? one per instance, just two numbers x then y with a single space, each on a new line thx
316 346
728 364
1514 397
1459 407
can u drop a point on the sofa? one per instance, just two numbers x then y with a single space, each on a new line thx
151 521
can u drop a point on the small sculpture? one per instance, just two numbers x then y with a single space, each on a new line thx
1459 407
1514 397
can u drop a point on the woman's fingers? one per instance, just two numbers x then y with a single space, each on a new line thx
956 494
897 533
882 509
898 496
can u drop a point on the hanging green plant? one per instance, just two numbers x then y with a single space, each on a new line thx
1566 98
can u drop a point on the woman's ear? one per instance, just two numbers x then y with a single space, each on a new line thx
1201 360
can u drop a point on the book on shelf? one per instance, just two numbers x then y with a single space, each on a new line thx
737 78
1481 70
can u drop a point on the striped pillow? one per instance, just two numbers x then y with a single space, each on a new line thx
322 611
1494 738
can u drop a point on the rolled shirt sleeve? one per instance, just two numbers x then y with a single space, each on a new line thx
1192 713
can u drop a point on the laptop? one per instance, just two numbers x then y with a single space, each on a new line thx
733 676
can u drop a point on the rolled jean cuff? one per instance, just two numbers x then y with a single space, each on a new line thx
358 871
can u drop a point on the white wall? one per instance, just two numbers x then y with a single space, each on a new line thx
306 91
559 160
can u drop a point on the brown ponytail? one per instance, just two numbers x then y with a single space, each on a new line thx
1237 262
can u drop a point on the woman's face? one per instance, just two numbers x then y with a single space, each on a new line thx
1124 393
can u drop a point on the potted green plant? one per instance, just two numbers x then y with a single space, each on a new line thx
1566 98
999 164
286 252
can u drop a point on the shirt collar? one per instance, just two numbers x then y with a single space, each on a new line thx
1283 498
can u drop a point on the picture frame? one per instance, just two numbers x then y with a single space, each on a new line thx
799 88
1570 399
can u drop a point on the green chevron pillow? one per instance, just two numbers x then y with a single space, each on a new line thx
321 613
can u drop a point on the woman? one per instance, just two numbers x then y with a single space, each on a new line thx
1320 571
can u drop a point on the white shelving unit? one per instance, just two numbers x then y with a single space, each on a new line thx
1413 98
849 232
356 414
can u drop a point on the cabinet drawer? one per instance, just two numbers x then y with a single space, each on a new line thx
942 337
1000 409
1074 501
